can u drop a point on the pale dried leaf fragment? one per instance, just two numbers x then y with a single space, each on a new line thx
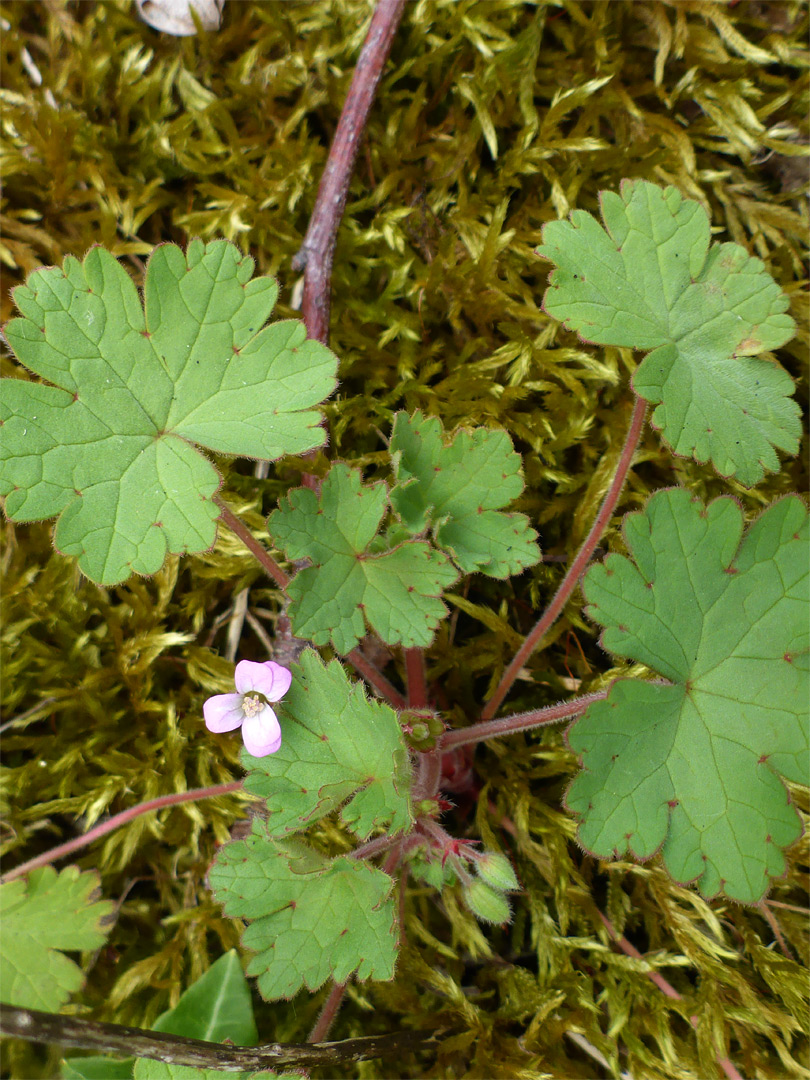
174 16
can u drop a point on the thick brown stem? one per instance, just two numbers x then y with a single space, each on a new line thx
317 251
42 1027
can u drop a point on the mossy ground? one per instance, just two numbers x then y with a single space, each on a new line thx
493 117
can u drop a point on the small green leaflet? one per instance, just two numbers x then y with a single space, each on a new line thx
458 491
41 914
695 765
337 746
397 592
649 280
312 918
112 452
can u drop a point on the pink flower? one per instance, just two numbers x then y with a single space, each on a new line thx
257 684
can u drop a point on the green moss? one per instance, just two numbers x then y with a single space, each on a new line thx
493 117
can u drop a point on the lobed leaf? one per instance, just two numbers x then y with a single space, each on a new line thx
337 747
397 592
311 918
649 280
111 452
43 914
693 767
458 490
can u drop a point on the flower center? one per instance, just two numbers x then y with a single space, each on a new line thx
251 705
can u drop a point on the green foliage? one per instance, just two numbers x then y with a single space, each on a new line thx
458 489
490 121
110 452
396 591
42 915
649 281
286 888
217 1007
693 764
338 747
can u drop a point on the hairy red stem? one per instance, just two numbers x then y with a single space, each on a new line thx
116 821
317 251
415 671
376 679
665 987
577 568
328 1013
509 725
262 555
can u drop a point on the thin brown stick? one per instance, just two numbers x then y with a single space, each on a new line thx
42 1027
577 568
317 251
115 822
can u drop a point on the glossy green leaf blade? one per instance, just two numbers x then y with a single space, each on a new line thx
150 1069
97 1068
111 451
216 1007
398 592
695 766
311 918
337 747
649 280
458 490
42 915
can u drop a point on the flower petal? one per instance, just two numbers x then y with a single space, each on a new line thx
262 733
269 678
223 712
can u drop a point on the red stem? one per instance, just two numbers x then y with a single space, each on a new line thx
509 725
415 672
577 568
317 251
376 679
328 1013
114 822
664 986
262 555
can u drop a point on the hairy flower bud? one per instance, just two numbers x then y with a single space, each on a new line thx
487 904
497 872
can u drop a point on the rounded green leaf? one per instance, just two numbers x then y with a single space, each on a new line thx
693 767
397 592
112 452
649 280
311 918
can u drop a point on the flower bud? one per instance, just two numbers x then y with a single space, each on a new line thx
487 904
421 728
497 872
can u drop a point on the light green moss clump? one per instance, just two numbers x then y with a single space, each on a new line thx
493 117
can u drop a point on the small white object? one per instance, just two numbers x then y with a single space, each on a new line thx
174 16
